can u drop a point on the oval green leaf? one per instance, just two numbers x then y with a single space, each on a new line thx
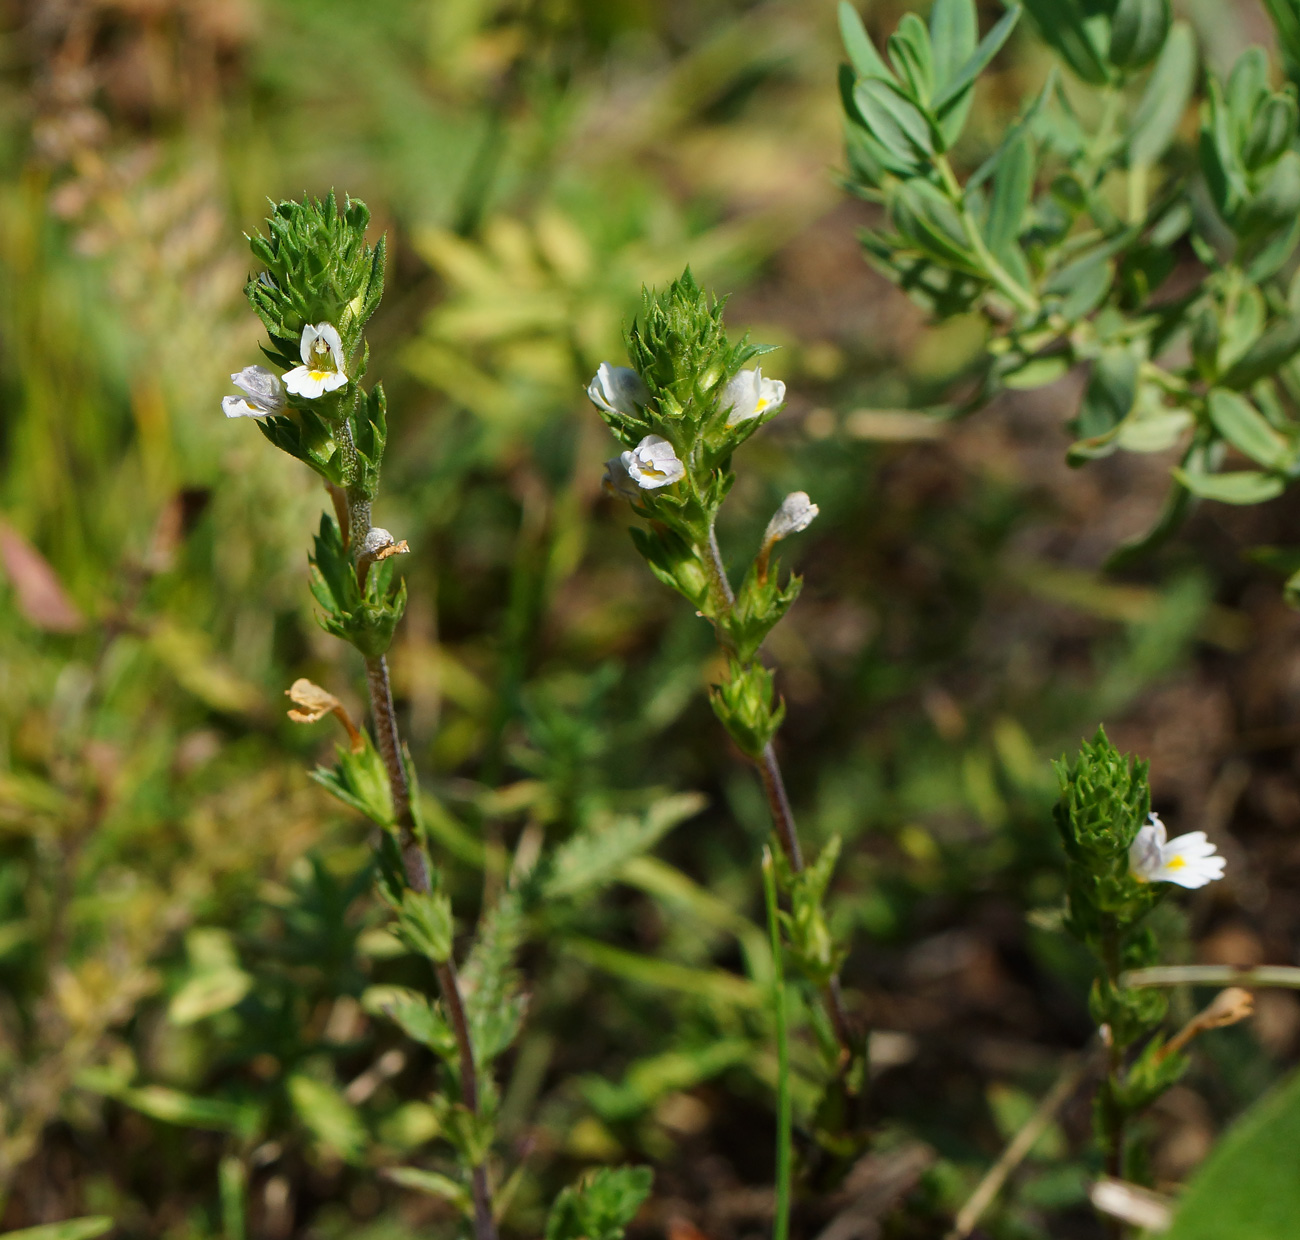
1245 428
1249 1189
1247 486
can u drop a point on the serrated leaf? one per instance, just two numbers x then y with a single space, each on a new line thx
600 1206
490 983
414 1014
424 923
596 855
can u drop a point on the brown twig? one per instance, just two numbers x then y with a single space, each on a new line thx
1257 977
1019 1147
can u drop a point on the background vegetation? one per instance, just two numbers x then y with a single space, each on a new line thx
186 934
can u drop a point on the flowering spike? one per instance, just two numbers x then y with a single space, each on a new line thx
318 269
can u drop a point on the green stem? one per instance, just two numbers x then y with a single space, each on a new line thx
1137 193
724 597
784 1132
995 271
1098 151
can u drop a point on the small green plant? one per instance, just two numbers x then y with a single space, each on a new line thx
321 283
1120 865
680 411
1066 237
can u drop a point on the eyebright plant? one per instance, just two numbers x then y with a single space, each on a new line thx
321 283
688 401
1066 237
1119 867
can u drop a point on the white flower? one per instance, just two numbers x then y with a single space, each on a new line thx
653 463
617 389
749 394
263 394
1188 860
796 513
618 481
322 368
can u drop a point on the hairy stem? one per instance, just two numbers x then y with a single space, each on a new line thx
778 804
416 868
769 771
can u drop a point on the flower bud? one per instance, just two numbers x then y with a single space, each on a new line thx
379 544
617 389
796 513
